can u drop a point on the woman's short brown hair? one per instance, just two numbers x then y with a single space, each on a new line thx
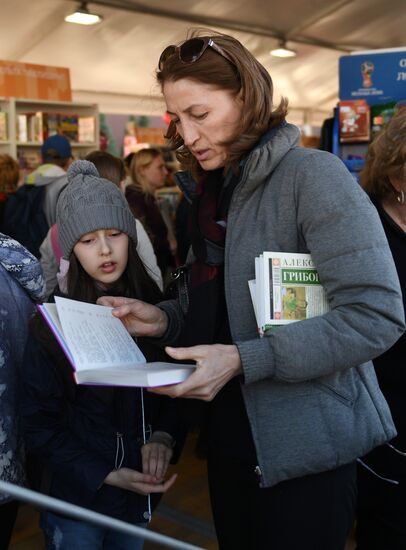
244 76
386 158
9 174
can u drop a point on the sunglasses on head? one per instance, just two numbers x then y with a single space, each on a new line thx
191 51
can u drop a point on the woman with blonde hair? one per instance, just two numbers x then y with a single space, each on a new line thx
148 173
382 485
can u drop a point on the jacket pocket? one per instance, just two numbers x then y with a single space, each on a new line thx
333 392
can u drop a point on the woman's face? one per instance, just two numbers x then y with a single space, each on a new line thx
155 173
205 116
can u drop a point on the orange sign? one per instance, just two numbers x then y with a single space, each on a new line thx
25 80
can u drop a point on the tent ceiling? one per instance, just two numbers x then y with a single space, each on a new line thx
113 63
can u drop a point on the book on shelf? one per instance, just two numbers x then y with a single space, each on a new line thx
286 289
100 349
86 129
3 126
354 117
69 126
22 128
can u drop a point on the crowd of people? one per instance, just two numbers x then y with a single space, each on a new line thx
304 430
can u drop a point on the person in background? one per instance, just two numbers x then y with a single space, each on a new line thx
21 286
381 520
112 169
56 154
148 173
9 176
289 413
127 165
94 440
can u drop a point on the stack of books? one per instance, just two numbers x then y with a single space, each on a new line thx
286 289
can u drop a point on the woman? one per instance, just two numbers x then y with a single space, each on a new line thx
381 505
289 413
148 173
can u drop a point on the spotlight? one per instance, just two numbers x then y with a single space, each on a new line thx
283 50
82 16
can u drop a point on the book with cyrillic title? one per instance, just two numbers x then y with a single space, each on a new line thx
100 349
287 289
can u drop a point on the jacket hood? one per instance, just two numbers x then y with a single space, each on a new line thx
45 174
23 267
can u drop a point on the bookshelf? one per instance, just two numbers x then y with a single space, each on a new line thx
28 122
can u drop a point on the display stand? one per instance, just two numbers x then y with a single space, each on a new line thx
371 86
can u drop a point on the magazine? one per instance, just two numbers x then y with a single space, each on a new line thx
100 349
286 289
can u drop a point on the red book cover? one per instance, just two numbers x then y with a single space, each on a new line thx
354 121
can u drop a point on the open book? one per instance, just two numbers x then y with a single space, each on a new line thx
100 349
286 289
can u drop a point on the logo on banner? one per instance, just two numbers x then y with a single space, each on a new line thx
367 68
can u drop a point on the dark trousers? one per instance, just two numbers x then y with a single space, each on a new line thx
314 512
8 514
381 513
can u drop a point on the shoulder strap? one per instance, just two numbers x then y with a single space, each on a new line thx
56 247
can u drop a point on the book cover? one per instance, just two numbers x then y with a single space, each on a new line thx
50 124
3 126
86 129
22 128
287 289
354 117
69 126
100 349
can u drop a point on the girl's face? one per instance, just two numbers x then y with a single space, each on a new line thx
155 173
103 254
205 116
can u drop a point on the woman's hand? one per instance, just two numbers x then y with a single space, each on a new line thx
139 318
215 366
144 484
155 459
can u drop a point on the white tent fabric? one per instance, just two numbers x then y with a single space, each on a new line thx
113 63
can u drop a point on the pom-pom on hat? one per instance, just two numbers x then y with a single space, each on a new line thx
89 203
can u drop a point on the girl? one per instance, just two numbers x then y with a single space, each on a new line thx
94 441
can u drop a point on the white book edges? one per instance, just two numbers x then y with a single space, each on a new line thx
100 349
286 289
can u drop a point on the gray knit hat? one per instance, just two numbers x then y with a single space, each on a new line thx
89 203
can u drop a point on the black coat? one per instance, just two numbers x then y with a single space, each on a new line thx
74 432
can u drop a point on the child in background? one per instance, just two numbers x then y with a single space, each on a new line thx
93 440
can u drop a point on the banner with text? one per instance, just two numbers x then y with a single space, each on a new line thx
29 81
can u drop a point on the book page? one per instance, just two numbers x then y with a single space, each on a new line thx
95 338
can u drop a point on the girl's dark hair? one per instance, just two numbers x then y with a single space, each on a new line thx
109 167
246 77
134 283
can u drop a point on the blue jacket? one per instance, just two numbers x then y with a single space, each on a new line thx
21 284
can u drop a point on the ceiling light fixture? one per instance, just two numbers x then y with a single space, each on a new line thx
82 16
283 51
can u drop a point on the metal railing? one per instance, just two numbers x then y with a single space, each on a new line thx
77 512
